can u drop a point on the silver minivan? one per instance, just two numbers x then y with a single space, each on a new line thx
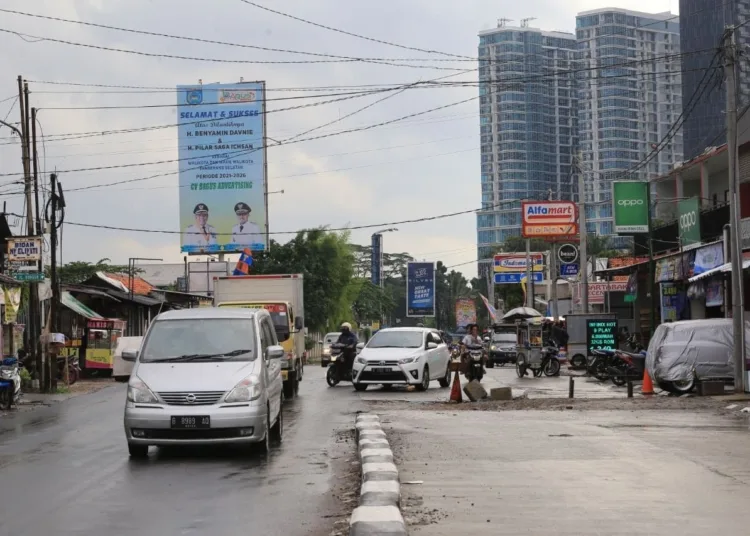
205 376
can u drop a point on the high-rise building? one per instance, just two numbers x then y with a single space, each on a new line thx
527 125
629 97
702 24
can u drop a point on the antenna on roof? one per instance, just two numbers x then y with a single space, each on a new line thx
501 22
525 22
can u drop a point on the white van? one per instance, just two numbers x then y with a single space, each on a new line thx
121 369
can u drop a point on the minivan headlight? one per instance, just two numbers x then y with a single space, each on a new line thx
139 392
247 390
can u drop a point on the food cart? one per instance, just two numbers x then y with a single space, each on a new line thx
99 341
529 346
576 328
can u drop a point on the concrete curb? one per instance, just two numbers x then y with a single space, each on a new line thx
380 498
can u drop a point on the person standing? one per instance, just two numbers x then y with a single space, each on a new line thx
245 233
201 234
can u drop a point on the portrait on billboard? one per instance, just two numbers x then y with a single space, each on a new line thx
200 234
245 233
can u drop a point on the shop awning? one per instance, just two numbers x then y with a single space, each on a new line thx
67 299
724 268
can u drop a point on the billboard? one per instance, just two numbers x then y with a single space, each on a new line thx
630 199
221 133
420 289
516 262
598 290
689 221
24 249
376 260
548 219
466 312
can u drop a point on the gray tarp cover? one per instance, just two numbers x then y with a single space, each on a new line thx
704 346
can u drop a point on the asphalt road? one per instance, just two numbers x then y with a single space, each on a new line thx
65 470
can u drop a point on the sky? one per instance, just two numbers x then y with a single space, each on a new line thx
416 168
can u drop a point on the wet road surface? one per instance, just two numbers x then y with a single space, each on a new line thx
65 470
572 473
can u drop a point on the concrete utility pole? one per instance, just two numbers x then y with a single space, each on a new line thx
553 278
583 254
735 246
529 275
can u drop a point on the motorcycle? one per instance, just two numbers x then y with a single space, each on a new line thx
10 383
600 362
474 357
74 369
338 371
634 344
455 351
549 365
626 366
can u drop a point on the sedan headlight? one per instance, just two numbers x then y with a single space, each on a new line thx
493 347
407 360
139 392
361 360
326 351
247 390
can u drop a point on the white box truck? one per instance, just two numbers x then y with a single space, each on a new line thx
282 296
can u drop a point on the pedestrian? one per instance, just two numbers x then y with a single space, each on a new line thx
245 233
201 234
559 334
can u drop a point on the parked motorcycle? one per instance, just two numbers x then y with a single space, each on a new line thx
600 362
626 366
474 358
74 369
634 344
10 383
340 370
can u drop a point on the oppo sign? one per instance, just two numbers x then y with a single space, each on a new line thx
630 202
688 221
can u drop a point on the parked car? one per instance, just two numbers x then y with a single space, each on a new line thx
680 353
205 376
327 341
406 356
121 369
502 349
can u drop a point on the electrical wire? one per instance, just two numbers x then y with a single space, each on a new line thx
372 39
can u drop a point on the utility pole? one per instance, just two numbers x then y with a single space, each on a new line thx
553 278
55 305
529 275
584 260
738 301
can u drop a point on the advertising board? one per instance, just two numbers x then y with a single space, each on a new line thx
548 219
24 249
466 312
630 200
420 289
516 262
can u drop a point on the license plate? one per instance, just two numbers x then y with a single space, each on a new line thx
198 421
380 370
284 374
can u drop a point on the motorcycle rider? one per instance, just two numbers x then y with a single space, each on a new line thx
472 337
348 338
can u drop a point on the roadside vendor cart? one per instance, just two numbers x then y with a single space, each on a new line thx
576 327
99 343
529 346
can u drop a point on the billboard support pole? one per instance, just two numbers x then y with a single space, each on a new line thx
265 164
553 278
584 272
529 279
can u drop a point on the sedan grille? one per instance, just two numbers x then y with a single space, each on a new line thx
187 398
374 363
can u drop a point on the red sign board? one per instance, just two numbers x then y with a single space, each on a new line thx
548 219
598 290
100 324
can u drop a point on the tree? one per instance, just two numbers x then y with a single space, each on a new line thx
368 302
79 271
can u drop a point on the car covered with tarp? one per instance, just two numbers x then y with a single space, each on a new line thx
681 353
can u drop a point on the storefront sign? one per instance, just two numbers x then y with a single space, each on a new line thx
24 249
689 221
708 258
516 262
714 293
100 324
669 269
673 302
598 290
12 297
549 219
567 253
601 335
569 270
630 200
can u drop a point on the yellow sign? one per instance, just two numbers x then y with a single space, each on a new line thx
98 358
12 297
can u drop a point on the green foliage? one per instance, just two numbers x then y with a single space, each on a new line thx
79 271
368 302
449 286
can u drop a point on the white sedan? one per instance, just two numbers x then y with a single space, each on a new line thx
406 356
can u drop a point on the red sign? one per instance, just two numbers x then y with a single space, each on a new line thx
100 324
270 307
598 290
548 219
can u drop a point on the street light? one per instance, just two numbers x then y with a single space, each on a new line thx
377 243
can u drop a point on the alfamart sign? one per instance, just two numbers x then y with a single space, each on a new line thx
630 200
22 248
548 219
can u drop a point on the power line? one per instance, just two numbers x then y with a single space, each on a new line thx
374 40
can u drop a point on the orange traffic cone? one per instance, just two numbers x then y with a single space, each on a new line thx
648 387
456 395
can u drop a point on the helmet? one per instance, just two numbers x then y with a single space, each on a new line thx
346 326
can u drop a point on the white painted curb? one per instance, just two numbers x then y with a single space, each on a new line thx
379 501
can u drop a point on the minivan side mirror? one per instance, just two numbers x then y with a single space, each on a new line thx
129 355
274 352
298 324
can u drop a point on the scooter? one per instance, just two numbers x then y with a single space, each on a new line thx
474 356
10 383
74 368
626 366
337 370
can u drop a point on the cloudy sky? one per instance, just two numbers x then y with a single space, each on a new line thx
420 167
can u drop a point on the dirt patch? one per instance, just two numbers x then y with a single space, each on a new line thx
346 482
85 387
562 404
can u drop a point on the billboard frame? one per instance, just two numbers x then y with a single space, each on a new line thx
434 297
572 225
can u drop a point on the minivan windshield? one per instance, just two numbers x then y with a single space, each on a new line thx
331 338
197 339
396 339
504 337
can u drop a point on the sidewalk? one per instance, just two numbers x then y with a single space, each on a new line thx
571 473
30 401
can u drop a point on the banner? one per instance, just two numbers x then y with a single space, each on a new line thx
466 312
490 309
221 132
714 292
689 221
376 259
12 296
631 288
708 258
630 199
420 289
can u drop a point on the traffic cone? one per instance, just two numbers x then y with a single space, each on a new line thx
648 387
456 395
